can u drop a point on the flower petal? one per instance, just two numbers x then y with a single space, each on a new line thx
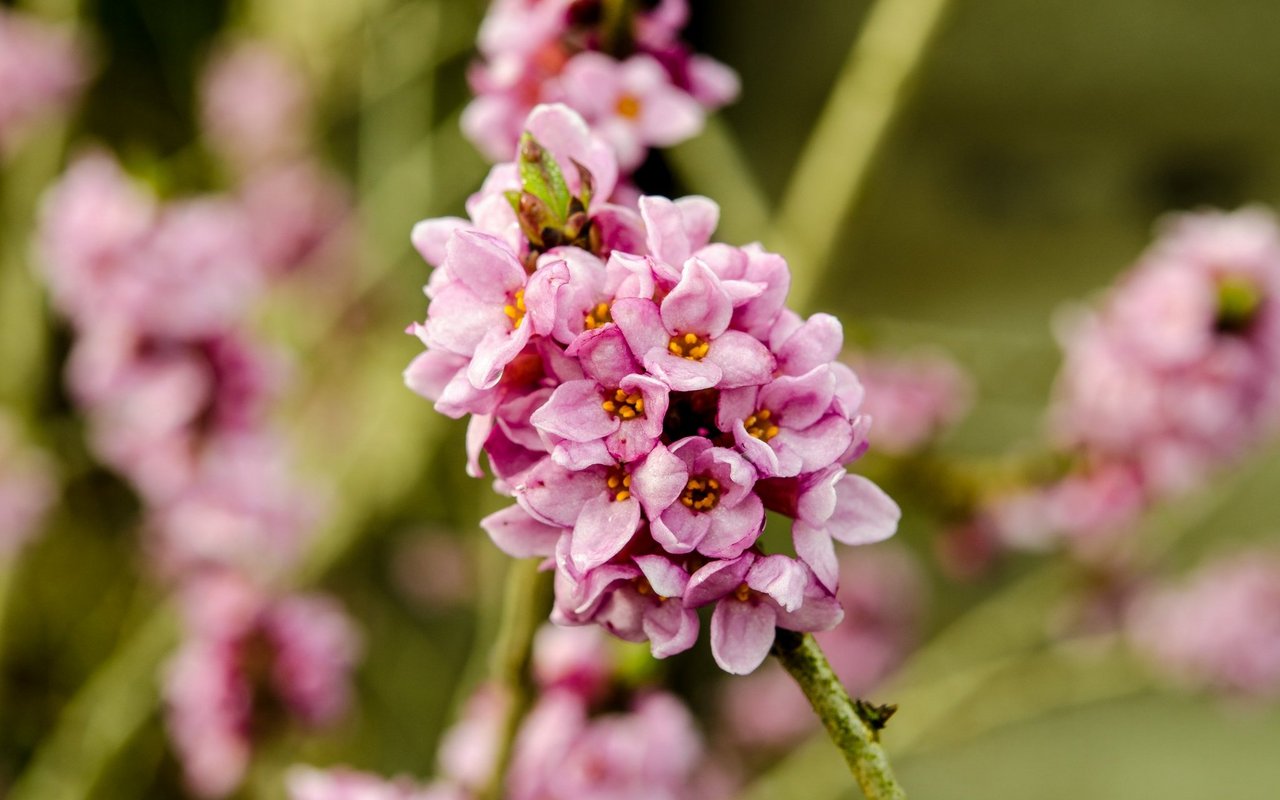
519 535
574 413
743 360
864 513
604 527
741 634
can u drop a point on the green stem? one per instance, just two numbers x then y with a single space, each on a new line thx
524 609
853 725
101 719
830 178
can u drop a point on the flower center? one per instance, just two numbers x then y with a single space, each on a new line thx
597 317
743 592
760 425
628 106
690 346
515 309
701 494
1238 304
622 405
619 483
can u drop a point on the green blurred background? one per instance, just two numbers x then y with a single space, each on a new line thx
1044 139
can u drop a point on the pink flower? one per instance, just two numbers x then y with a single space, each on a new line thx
686 342
912 398
1220 630
185 270
632 103
754 595
255 105
649 750
645 407
882 591
242 647
27 490
41 70
1182 364
560 51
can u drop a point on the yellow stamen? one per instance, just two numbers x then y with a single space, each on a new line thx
622 405
628 106
515 310
743 592
758 425
690 346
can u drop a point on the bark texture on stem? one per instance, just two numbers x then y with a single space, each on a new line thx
853 725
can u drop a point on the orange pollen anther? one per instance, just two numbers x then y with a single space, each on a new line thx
515 309
760 425
743 592
597 317
689 345
628 106
622 405
618 481
701 494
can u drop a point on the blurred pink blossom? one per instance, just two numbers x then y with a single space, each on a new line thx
911 398
1219 629
248 655
309 783
256 106
546 51
41 69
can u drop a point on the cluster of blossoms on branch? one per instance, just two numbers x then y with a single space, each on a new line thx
1175 376
645 395
41 69
178 395
590 735
622 68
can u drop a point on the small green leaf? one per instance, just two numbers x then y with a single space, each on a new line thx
541 177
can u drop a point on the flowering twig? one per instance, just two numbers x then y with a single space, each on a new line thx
524 608
853 725
832 171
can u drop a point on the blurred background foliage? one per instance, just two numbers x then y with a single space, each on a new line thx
1042 142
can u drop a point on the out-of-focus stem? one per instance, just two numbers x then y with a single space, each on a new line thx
868 96
852 725
524 608
101 719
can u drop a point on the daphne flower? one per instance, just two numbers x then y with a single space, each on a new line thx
753 596
41 70
1220 630
789 425
686 341
659 401
255 105
242 644
912 398
632 103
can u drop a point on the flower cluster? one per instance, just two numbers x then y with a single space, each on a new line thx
624 69
176 394
1176 374
41 70
247 655
178 398
646 396
27 490
1220 631
587 737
